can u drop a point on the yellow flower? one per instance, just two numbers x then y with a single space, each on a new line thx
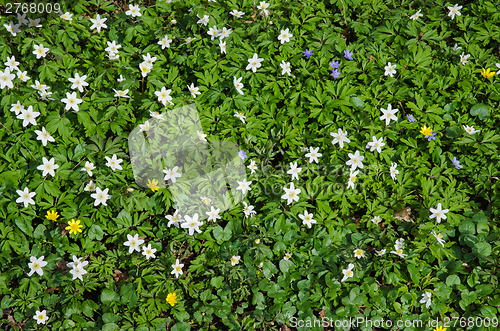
153 185
52 215
426 131
74 227
440 328
172 298
487 73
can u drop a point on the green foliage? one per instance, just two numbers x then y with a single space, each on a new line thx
288 271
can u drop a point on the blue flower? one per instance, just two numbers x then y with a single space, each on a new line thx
335 64
456 163
335 73
243 155
348 54
432 136
308 53
410 118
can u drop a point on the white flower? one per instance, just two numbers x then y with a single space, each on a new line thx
241 116
454 11
464 58
89 166
352 179
71 101
263 8
156 115
21 19
78 272
375 144
376 220
285 68
238 85
393 170
456 47
40 51
307 219
12 28
222 45
16 107
426 298
121 94
355 160
34 23
48 167
148 59
78 82
12 63
416 15
90 186
6 78
291 194
359 253
114 162
284 36
145 68
36 265
470 129
112 47
192 224
41 317
177 268
388 114
67 16
390 69
244 186
164 96
77 262
28 116
119 80
44 136
381 252
248 210
40 87
254 63
294 171
498 66
439 237
194 90
236 13
25 197
399 252
224 33
340 138
207 201
201 136
213 214
287 257
148 251
348 272
235 260
213 32
204 20
23 75
100 196
172 174
165 42
133 243
174 219
438 213
313 154
98 23
133 11
252 166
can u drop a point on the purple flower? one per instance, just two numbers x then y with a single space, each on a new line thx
456 163
335 73
410 118
348 54
308 53
335 64
243 155
432 136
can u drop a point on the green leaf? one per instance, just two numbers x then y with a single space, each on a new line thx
95 232
482 248
108 296
452 280
480 110
25 226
